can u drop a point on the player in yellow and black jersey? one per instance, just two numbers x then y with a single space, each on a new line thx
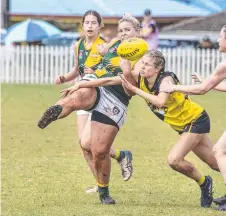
189 119
215 81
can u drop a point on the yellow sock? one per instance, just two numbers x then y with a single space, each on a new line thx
117 154
202 180
102 185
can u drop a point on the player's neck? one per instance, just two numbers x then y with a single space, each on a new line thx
90 40
151 79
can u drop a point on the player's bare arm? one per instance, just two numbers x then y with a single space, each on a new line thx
198 79
209 83
74 73
157 100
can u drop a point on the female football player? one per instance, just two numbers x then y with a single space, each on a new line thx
88 56
189 119
108 105
214 81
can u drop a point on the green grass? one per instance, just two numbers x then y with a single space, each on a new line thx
44 173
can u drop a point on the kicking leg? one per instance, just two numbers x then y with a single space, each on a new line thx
82 99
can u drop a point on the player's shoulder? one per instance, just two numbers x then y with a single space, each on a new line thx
113 41
78 42
167 77
102 39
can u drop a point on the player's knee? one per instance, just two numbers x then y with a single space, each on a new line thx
214 166
100 153
174 162
84 144
87 154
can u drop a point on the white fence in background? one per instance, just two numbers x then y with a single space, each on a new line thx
40 65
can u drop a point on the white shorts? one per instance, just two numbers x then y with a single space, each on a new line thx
82 112
111 106
108 104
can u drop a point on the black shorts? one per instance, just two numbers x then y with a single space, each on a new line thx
100 117
200 125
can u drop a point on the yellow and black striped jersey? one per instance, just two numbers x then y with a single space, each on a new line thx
179 110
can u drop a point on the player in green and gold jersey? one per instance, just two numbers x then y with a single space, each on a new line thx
88 57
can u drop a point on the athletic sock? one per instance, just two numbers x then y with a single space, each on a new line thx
203 181
119 155
103 189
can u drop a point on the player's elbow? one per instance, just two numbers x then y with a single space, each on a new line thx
203 90
160 104
128 92
201 93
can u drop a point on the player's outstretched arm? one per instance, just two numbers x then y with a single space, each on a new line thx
108 81
209 83
157 100
198 79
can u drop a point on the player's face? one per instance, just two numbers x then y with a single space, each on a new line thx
147 18
91 26
126 30
222 41
148 68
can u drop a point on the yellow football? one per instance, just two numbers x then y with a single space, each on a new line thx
132 49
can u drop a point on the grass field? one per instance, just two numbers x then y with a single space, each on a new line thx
44 173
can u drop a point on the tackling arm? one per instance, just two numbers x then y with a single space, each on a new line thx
108 81
157 100
209 83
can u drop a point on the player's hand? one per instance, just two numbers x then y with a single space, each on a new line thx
69 91
88 70
196 78
60 80
126 83
125 65
167 88
102 49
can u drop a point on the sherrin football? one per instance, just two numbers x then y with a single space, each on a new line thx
132 49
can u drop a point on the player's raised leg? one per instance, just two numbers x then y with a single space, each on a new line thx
80 100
